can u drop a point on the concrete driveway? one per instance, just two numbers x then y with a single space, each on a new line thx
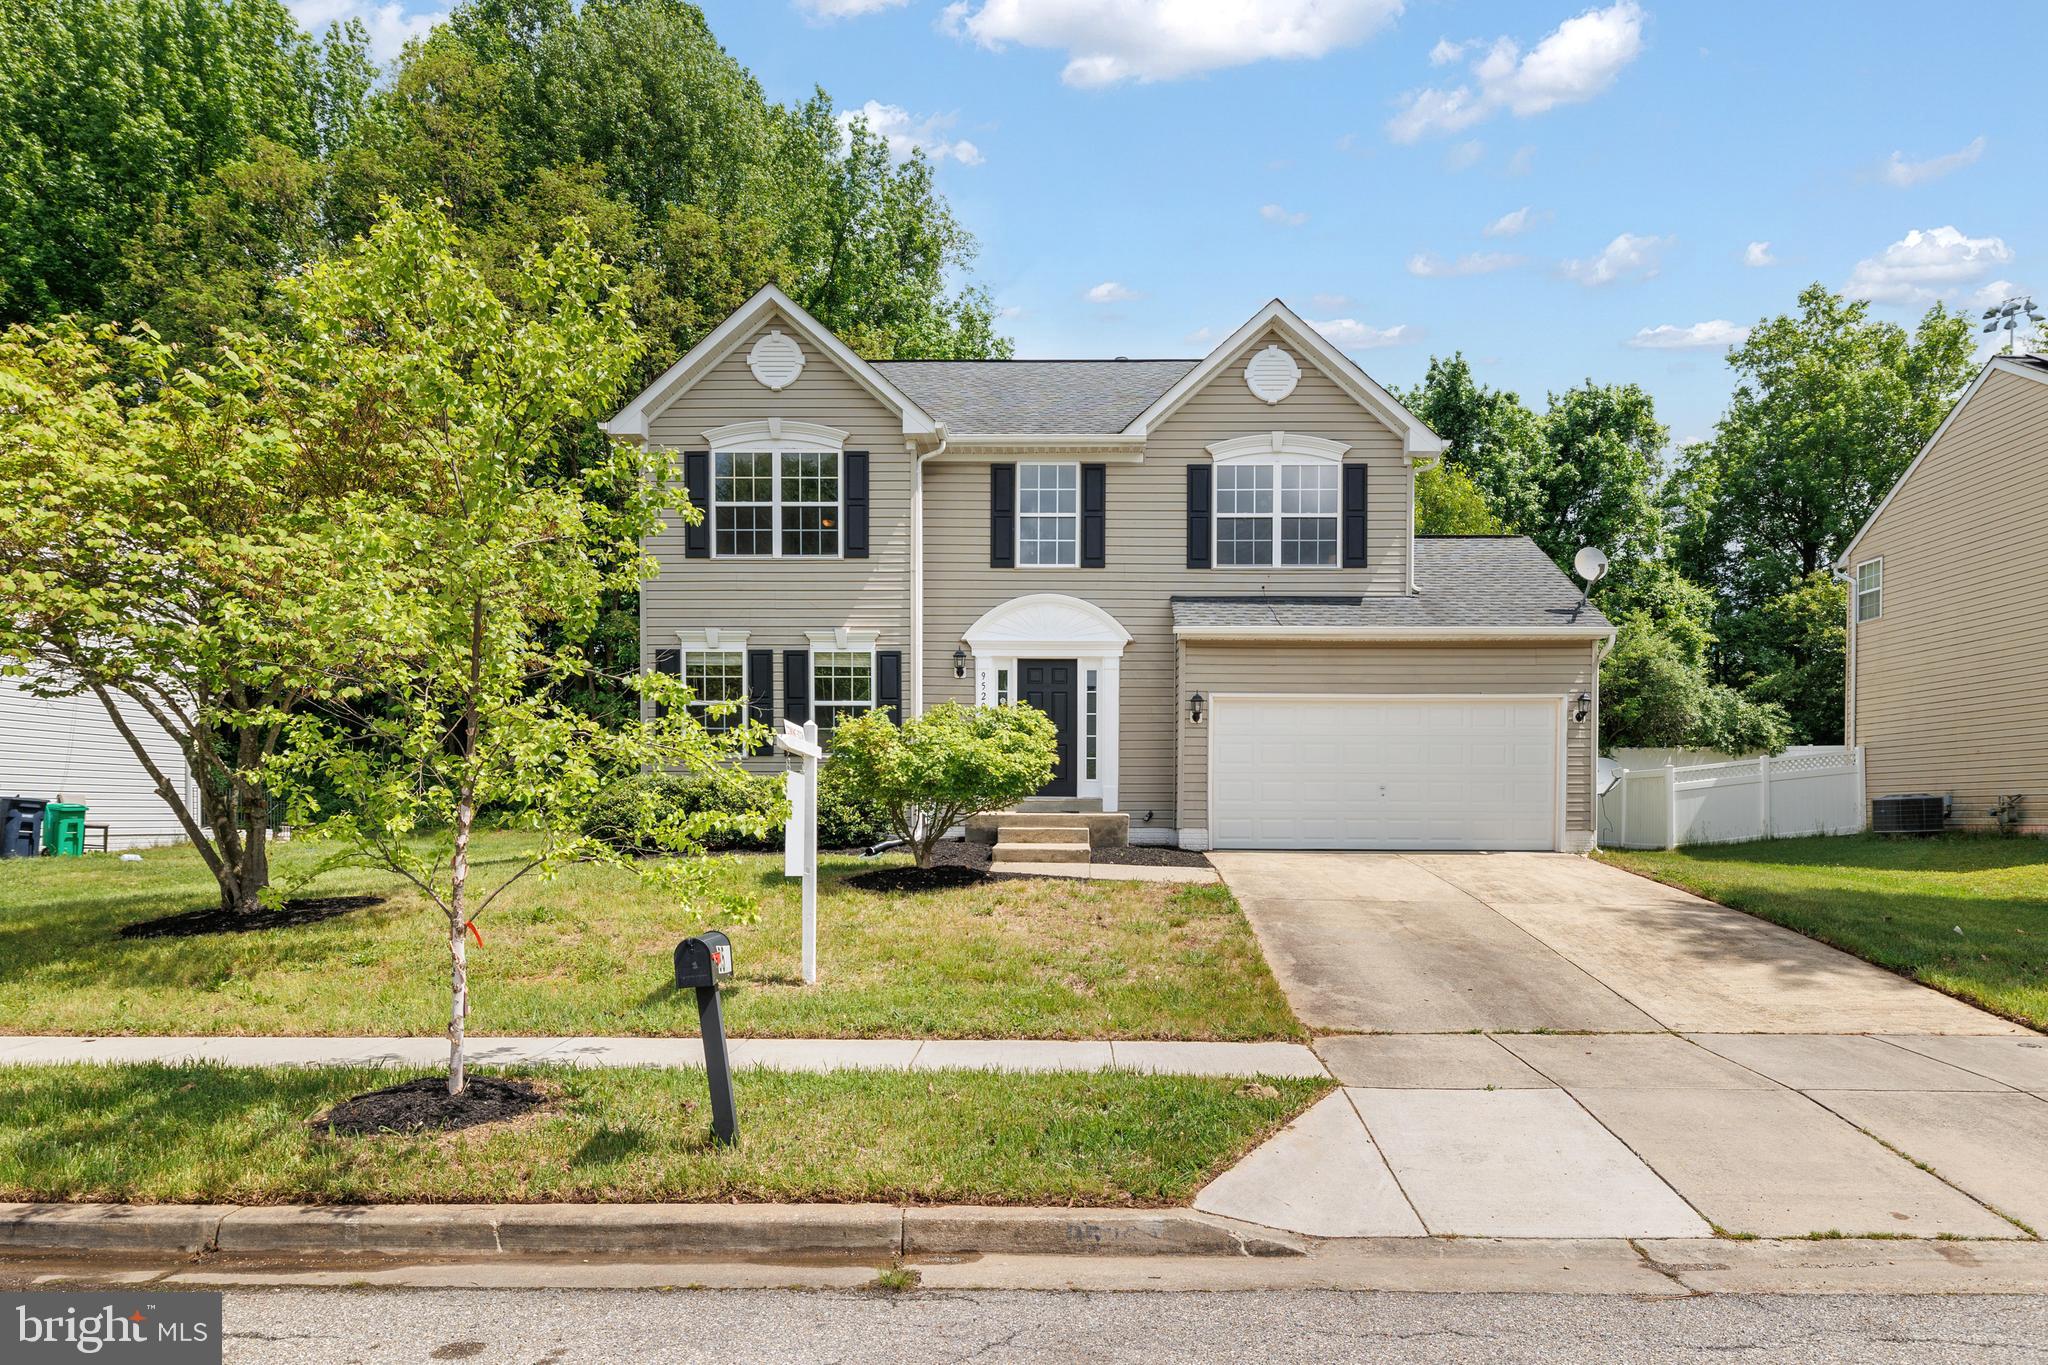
1539 1045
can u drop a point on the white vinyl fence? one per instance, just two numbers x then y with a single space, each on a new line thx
1726 803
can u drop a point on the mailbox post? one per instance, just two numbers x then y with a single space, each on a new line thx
701 963
800 835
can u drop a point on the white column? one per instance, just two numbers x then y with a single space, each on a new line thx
1108 727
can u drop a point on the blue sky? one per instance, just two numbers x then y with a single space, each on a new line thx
1557 190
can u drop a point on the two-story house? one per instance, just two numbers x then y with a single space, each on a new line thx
1205 571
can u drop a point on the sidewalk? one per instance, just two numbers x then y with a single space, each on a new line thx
780 1054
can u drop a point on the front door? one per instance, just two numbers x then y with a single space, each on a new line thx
1048 684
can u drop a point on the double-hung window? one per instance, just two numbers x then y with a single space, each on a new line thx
1870 590
1282 512
775 503
842 684
1049 515
717 679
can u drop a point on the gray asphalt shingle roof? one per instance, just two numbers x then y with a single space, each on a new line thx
1463 583
1035 397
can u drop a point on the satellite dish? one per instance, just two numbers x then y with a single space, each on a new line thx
1590 564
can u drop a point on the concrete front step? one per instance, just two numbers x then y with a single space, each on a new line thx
1040 853
1041 834
1061 804
1110 829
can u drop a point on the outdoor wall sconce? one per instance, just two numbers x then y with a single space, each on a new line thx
1195 709
959 663
1582 706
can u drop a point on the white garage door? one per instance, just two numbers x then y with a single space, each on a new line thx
1383 774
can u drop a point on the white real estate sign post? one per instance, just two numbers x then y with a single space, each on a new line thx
800 835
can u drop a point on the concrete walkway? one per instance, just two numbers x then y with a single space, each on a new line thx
781 1054
1544 1046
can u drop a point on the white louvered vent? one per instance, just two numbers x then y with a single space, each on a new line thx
1271 375
776 360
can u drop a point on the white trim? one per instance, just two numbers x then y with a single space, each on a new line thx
1268 458
1049 625
1017 514
715 640
1856 589
1089 628
1565 634
843 638
981 447
840 641
1560 758
1270 446
711 638
777 448
781 432
630 423
2002 363
1416 438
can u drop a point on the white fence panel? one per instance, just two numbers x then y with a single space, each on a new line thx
1723 803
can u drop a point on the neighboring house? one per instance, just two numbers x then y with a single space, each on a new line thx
1203 570
68 750
1948 626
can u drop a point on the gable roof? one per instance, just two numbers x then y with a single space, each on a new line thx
1035 397
1416 437
630 422
2027 366
1476 586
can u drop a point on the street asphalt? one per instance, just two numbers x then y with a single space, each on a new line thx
564 1327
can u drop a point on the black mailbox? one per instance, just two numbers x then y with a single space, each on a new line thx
703 961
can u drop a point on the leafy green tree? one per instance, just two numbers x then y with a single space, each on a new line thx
1448 503
115 111
936 770
1802 651
1491 437
167 535
1653 695
475 562
1598 477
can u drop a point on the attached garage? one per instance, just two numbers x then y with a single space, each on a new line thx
1452 772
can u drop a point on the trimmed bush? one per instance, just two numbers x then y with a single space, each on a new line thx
733 810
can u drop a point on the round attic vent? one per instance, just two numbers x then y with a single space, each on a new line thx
1271 375
776 360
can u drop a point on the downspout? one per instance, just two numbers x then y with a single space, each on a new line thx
917 571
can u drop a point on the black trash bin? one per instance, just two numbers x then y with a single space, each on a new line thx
21 826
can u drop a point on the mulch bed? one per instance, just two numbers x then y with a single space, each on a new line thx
1150 855
195 923
895 881
425 1105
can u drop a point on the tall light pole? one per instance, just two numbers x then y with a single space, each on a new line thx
2006 317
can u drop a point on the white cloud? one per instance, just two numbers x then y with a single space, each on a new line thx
1430 266
1627 257
1201 336
905 132
1926 265
1513 224
1906 174
1109 291
1719 334
1354 335
846 9
388 25
1164 40
1273 213
1757 255
1445 52
1574 62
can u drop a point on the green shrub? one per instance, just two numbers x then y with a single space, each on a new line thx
847 816
725 809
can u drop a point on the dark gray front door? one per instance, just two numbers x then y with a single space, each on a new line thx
1048 684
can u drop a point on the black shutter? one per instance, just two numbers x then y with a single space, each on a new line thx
1199 484
697 483
761 689
1002 516
1094 491
1354 516
796 685
669 661
889 682
855 540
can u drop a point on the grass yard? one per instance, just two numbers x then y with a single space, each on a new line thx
1965 914
204 1133
591 953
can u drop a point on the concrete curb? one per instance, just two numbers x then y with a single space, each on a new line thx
845 1231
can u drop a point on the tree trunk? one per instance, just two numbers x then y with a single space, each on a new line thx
458 945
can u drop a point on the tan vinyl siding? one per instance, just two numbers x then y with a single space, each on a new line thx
777 600
1951 683
1558 670
1146 554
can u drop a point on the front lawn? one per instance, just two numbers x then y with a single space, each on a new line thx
200 1133
1965 914
590 953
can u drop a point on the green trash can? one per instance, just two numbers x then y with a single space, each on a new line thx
63 830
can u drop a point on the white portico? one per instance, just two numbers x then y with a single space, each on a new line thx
1053 626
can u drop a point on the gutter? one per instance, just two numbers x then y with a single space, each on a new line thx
1398 634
